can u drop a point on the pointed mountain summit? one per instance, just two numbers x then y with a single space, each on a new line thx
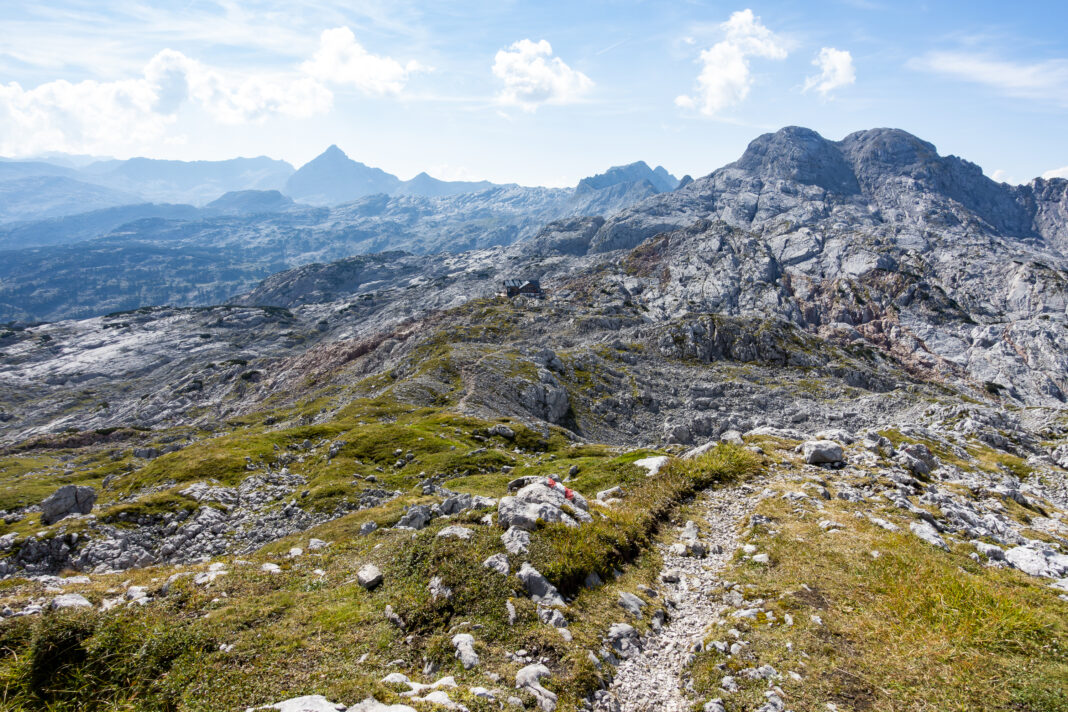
659 179
333 178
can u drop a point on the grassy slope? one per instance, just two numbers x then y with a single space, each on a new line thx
301 632
914 628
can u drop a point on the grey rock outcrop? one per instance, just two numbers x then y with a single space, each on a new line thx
67 500
543 501
538 587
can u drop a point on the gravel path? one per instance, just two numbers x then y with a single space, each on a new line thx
651 680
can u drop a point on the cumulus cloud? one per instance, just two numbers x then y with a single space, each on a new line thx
175 79
1056 173
532 77
103 117
725 77
1047 80
340 59
836 70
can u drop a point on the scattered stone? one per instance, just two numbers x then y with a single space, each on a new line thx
372 705
631 604
888 526
497 562
438 589
455 532
369 576
538 587
928 533
465 650
529 679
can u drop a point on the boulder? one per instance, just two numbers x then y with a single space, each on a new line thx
652 465
69 600
610 493
416 518
462 502
624 640
438 589
990 551
65 501
369 576
503 431
822 452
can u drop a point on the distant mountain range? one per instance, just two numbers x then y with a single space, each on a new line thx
120 255
58 186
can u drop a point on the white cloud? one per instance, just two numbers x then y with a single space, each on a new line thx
725 78
532 77
340 59
111 116
92 116
232 99
836 70
1046 80
85 117
1056 173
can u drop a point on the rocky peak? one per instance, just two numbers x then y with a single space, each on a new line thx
332 178
636 172
800 155
890 164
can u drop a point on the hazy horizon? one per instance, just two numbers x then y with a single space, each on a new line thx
539 94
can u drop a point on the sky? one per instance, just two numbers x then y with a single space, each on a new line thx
539 93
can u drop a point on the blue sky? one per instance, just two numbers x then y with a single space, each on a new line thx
533 92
